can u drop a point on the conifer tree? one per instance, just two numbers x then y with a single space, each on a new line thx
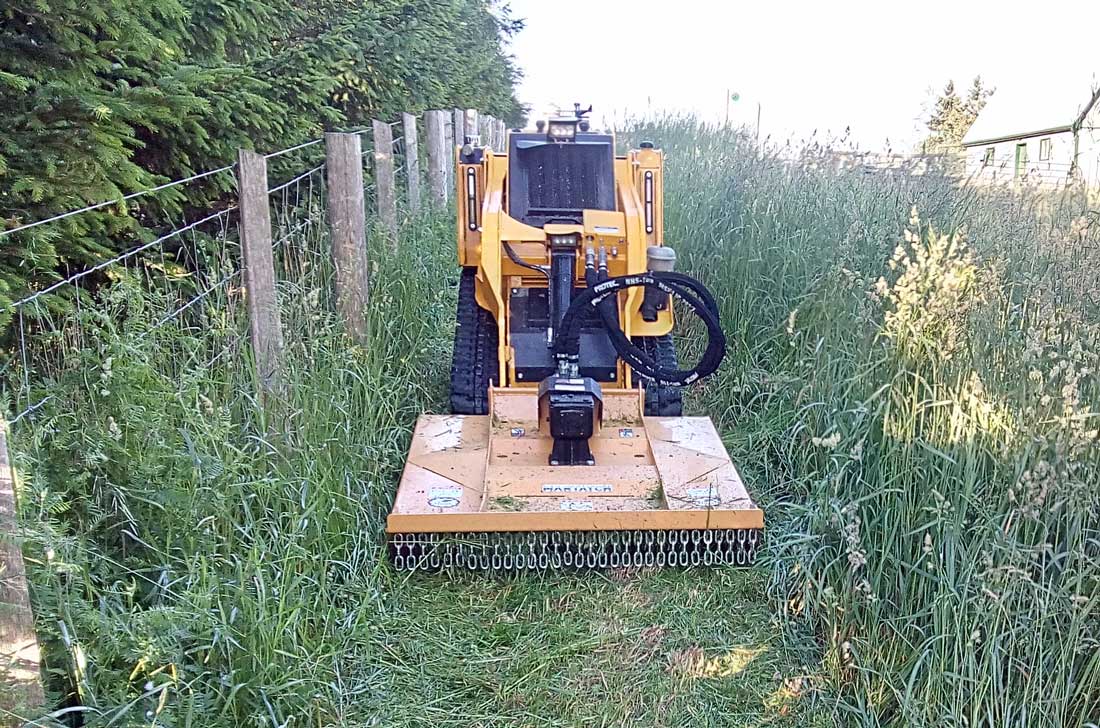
99 98
953 116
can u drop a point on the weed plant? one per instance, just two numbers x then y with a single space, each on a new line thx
913 369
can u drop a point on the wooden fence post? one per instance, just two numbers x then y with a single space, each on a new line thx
384 192
348 227
485 130
460 126
264 323
20 680
471 126
448 153
437 155
412 162
459 130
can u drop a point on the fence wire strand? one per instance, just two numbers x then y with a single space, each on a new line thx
196 299
117 259
117 200
294 199
297 179
30 410
205 300
288 150
151 190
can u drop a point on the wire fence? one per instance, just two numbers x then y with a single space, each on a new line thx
964 169
188 279
1043 174
183 273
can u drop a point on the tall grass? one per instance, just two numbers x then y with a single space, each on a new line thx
197 562
193 562
914 367
911 390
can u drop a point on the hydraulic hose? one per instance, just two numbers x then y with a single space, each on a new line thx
690 291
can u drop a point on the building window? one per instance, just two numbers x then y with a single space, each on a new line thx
1044 149
1021 160
987 158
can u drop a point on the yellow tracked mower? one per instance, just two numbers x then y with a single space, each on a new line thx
567 447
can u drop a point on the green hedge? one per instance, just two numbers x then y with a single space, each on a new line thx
99 98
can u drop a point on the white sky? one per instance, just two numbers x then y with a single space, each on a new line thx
873 66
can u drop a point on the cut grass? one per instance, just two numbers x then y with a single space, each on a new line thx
657 648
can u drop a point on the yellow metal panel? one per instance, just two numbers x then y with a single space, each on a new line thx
651 160
490 288
635 519
636 246
513 230
468 240
620 232
490 473
608 226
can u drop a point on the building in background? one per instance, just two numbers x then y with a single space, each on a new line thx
1048 136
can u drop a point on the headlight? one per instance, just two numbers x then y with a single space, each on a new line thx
562 131
568 240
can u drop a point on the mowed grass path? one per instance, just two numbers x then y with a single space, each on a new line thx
661 648
674 647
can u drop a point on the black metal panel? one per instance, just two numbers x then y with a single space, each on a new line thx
557 181
562 264
530 319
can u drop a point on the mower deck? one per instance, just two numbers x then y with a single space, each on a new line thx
477 493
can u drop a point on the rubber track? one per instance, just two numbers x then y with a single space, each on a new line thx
661 401
474 364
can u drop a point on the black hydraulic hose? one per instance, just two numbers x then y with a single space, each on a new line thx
608 310
524 264
646 366
693 293
712 356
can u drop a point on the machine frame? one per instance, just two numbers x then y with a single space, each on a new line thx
626 233
489 490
